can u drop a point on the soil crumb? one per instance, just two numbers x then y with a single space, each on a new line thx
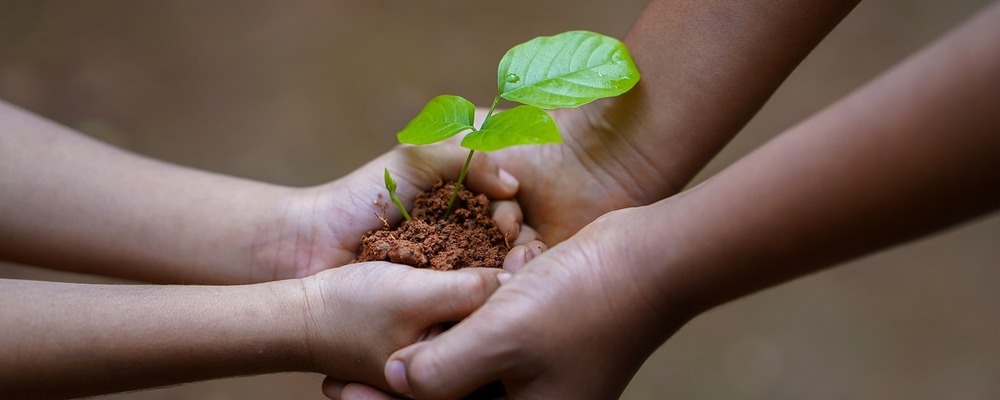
468 237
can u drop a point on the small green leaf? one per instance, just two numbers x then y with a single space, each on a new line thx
390 184
442 118
519 125
566 70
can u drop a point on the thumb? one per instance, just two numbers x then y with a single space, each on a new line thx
447 367
448 296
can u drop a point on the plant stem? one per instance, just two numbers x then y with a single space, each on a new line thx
399 205
489 113
468 160
458 185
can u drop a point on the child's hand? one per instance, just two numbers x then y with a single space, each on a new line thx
341 388
359 314
321 227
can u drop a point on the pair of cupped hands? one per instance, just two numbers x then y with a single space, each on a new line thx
546 325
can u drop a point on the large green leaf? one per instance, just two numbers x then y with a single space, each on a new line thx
519 125
566 70
442 118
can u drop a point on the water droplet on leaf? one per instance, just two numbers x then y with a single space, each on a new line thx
513 78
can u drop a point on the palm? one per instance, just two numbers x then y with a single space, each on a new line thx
327 222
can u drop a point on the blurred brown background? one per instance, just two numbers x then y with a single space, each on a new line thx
302 92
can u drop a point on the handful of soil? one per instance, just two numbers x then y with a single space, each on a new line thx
467 237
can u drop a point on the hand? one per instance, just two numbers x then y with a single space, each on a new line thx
575 322
598 169
360 313
321 227
339 388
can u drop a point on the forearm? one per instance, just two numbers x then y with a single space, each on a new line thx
68 340
69 202
913 152
707 67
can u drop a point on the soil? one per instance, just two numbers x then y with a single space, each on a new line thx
467 237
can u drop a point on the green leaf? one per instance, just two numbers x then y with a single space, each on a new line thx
390 184
442 118
566 70
519 125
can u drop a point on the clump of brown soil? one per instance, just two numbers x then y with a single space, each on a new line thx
467 237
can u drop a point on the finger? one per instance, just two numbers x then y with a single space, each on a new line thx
434 331
508 217
333 388
360 391
416 168
527 235
521 255
450 366
336 389
453 295
485 176
537 247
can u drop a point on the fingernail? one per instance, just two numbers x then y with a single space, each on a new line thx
529 253
508 180
503 277
395 376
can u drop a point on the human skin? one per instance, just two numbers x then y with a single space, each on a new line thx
72 203
913 152
63 340
707 67
696 92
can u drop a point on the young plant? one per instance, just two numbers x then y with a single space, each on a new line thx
390 185
562 71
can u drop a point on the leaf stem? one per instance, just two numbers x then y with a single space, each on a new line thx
399 205
468 160
496 100
458 185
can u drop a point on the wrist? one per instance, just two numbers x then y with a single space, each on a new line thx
687 256
292 239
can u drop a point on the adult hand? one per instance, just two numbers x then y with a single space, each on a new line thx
575 322
596 170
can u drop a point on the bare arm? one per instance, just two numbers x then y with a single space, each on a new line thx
61 340
67 201
707 67
67 340
70 202
915 151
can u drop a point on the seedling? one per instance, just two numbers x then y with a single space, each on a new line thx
390 185
562 71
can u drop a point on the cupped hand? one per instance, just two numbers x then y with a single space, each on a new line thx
599 168
321 227
575 322
340 388
357 315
